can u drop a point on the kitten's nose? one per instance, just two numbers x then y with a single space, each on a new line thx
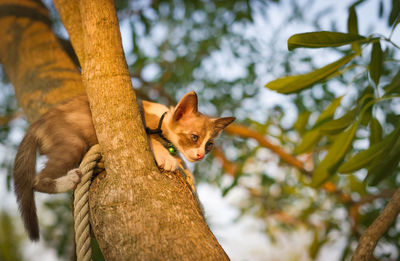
200 156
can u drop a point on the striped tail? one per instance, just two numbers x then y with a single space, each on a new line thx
24 175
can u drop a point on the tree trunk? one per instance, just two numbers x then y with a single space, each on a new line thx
137 213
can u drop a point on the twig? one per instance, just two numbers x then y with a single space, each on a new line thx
4 120
371 236
228 166
355 206
369 198
245 132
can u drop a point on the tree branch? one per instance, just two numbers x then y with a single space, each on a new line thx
70 16
371 236
244 132
228 166
137 213
4 120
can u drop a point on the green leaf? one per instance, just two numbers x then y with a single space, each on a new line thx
296 83
308 141
352 27
357 185
381 9
335 126
364 158
329 111
394 13
322 39
352 23
301 122
394 86
375 131
387 166
336 153
375 66
312 137
366 97
380 166
315 245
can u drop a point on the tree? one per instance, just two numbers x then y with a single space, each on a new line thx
133 206
333 137
227 51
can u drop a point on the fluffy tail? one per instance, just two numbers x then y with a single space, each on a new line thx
24 175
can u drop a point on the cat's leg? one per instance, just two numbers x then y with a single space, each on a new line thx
59 174
164 160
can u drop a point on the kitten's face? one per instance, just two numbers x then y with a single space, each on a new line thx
192 132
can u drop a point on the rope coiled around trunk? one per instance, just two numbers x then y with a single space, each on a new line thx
81 205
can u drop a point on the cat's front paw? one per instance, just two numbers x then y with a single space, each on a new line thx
167 162
69 181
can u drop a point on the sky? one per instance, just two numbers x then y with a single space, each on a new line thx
244 238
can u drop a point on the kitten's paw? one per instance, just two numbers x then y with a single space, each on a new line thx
167 162
69 181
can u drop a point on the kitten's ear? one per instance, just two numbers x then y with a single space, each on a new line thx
187 105
221 123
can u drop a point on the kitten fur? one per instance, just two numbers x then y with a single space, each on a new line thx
66 132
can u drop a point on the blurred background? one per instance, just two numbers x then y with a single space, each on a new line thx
262 198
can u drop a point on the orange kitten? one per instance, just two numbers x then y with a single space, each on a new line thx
65 133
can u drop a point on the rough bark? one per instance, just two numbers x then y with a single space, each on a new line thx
41 72
70 15
137 212
375 231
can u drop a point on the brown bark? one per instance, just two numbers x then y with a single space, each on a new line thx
71 17
41 72
137 212
375 231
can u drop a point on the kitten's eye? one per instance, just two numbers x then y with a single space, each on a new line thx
209 146
194 137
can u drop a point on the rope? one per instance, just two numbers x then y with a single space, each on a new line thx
81 202
81 205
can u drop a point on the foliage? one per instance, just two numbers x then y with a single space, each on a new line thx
340 131
371 117
177 46
9 239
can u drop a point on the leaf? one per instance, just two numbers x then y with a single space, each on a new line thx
375 66
329 111
394 86
380 13
315 245
375 131
363 158
312 137
357 3
379 163
387 166
394 13
367 97
308 141
301 122
357 185
322 39
352 27
296 83
336 153
335 126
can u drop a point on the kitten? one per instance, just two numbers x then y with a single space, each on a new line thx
65 133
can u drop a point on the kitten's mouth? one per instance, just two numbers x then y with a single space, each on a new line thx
191 159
